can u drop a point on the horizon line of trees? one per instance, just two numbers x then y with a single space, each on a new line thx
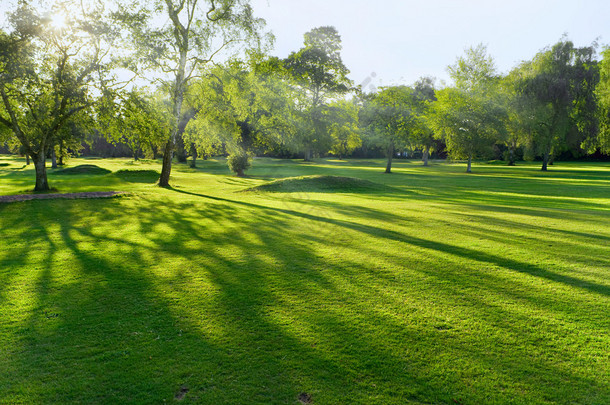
113 81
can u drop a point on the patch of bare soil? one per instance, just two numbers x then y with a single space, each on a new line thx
181 393
26 197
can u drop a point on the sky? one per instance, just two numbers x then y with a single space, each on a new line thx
387 42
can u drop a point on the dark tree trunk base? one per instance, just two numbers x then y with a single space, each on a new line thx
167 165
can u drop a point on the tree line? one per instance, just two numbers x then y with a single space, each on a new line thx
194 78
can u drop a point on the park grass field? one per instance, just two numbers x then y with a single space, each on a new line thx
426 286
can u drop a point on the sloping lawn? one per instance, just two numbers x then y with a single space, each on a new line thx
426 286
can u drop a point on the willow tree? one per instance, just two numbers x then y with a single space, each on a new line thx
173 53
559 83
241 107
49 63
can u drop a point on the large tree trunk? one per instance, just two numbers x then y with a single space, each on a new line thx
388 167
53 159
469 167
167 164
194 155
41 172
426 155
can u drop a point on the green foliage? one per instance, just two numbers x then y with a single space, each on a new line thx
559 83
136 119
239 162
603 95
320 75
241 106
196 33
48 72
343 128
469 117
389 118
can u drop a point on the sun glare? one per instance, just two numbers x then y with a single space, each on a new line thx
58 21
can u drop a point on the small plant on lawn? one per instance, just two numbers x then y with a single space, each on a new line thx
239 162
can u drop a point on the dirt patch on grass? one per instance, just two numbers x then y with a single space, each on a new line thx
305 398
181 393
93 194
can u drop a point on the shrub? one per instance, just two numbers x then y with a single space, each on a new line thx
238 163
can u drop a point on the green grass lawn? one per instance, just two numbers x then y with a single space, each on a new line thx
426 286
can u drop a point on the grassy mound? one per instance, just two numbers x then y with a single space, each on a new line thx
319 184
84 169
138 176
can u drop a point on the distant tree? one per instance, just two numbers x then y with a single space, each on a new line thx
49 61
422 135
603 95
560 84
239 106
343 128
196 32
135 119
468 116
389 119
318 70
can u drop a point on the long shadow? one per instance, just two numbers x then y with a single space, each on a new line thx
250 313
428 244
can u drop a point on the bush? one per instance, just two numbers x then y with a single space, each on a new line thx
239 163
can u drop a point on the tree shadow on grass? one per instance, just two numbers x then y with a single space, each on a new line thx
231 300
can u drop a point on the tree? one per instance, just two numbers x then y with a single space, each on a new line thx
197 32
389 119
559 83
422 135
318 70
135 119
603 95
468 116
343 128
48 66
241 106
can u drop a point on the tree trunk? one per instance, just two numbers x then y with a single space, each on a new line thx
27 159
308 155
53 159
41 172
61 154
545 161
194 155
388 167
178 98
167 164
426 155
469 167
511 156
